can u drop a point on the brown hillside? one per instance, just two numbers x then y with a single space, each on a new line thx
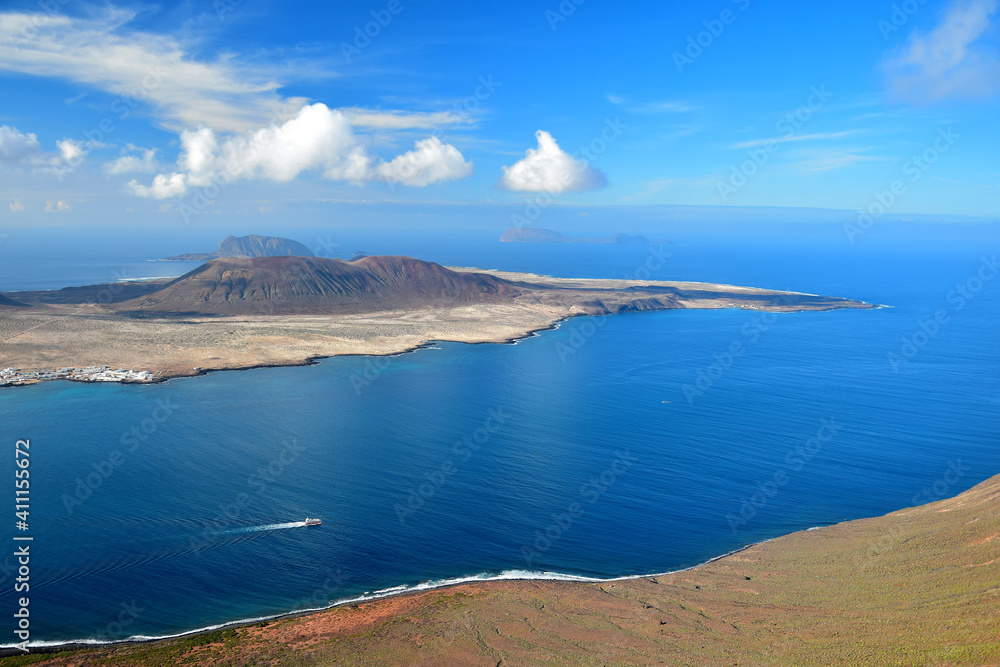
286 285
920 586
10 303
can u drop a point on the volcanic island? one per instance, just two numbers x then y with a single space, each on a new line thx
245 312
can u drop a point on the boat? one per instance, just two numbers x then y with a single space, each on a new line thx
312 522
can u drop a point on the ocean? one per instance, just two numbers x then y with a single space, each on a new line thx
607 447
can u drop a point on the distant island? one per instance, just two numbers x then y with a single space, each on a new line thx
248 246
243 312
539 235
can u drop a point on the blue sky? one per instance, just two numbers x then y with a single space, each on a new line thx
173 113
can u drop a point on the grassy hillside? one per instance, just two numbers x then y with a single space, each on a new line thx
916 587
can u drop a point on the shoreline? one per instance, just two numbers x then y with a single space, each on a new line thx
163 376
400 591
555 320
808 597
81 325
166 376
309 361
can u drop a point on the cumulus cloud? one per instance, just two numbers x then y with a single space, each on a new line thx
135 161
429 162
21 149
71 150
318 139
549 168
16 207
56 207
956 59
16 146
164 186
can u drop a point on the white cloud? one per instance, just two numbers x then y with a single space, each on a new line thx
549 168
655 107
837 161
199 148
15 146
429 162
403 120
160 70
20 149
792 137
315 139
663 107
953 60
56 207
137 160
16 207
817 160
71 150
164 186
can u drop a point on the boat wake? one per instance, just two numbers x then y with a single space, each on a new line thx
263 529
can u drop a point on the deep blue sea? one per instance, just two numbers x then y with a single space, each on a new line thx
608 447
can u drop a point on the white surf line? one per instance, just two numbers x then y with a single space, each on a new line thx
143 279
505 575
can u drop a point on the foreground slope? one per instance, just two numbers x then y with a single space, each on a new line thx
920 586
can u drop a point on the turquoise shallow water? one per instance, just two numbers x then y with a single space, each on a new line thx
576 451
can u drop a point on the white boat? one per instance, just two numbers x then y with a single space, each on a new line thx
312 522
